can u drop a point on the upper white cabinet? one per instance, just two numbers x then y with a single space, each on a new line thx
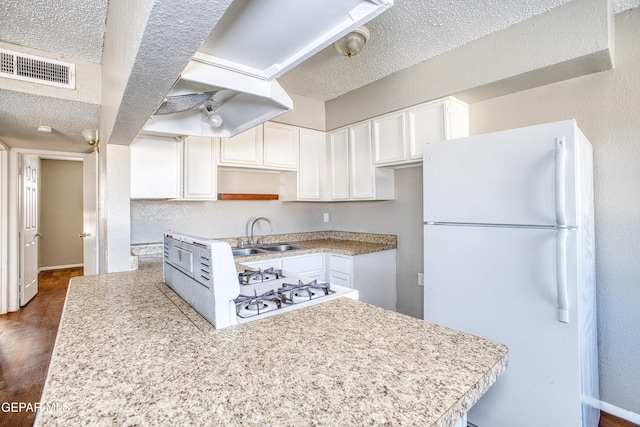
362 176
280 146
199 171
308 182
244 149
268 146
390 138
155 168
399 137
339 164
164 168
352 172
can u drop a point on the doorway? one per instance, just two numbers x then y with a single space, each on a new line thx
10 290
60 216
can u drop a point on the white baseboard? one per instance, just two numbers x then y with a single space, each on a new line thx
58 267
620 413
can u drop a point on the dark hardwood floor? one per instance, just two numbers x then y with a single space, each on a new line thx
26 342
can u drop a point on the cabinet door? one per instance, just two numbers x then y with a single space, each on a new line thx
244 149
302 263
426 123
361 162
280 146
312 154
155 167
339 164
269 263
199 168
340 279
389 139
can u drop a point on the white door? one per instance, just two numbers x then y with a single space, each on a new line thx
29 228
500 284
505 177
89 213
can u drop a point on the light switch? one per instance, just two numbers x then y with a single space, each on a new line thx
326 217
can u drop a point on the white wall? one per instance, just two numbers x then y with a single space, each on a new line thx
116 225
567 41
607 110
402 217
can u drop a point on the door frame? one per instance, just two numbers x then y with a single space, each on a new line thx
4 227
9 290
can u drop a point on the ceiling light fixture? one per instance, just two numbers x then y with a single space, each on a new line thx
91 137
44 129
354 42
214 120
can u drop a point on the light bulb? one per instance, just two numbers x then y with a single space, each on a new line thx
215 121
354 42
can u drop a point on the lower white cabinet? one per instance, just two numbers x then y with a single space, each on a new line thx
311 266
373 275
275 263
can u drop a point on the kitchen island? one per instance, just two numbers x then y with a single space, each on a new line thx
129 351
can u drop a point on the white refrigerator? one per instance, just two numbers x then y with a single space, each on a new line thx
509 256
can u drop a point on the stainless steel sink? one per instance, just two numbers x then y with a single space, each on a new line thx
282 248
265 249
246 251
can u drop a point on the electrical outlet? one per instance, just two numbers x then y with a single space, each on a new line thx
420 279
326 217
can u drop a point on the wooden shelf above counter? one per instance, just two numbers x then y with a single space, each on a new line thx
239 196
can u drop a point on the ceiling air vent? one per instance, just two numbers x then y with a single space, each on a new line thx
19 66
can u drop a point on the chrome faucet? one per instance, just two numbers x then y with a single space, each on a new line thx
251 241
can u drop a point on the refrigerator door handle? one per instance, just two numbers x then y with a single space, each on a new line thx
561 275
561 155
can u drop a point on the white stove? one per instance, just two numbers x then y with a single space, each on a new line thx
203 273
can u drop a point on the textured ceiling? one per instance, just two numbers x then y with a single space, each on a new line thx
73 28
412 31
22 113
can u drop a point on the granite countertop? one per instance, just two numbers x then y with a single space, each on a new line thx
129 351
336 242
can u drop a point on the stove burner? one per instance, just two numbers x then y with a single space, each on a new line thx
250 277
252 305
293 294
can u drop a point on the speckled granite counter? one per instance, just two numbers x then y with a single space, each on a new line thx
337 242
130 352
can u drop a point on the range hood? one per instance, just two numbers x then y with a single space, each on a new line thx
240 102
255 42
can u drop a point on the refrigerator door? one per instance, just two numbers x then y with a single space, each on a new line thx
500 283
520 176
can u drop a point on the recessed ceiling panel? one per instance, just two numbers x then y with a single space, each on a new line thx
265 38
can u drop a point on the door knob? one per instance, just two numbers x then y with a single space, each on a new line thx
38 235
84 235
